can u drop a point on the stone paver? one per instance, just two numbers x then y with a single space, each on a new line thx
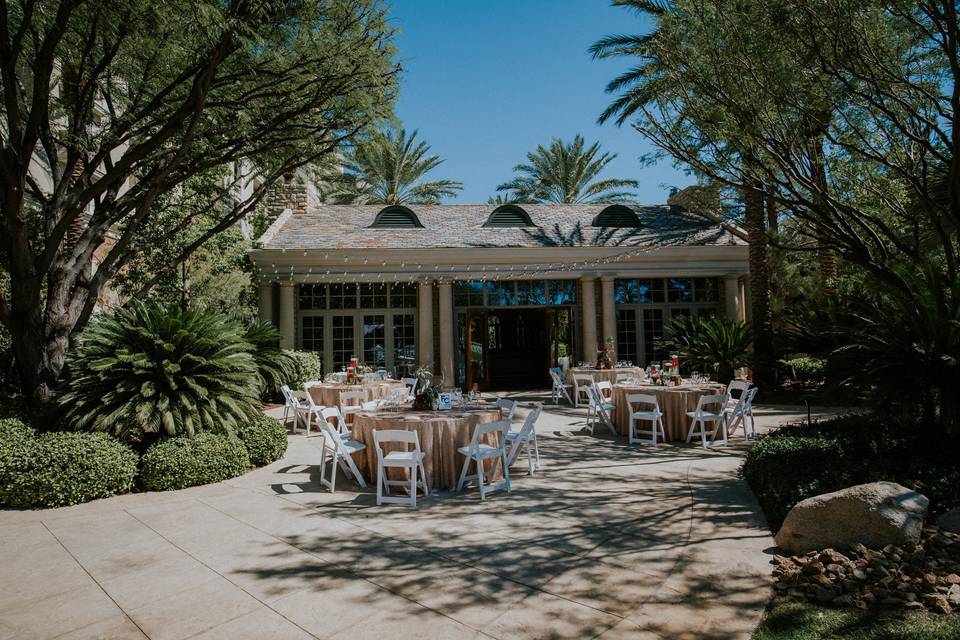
606 541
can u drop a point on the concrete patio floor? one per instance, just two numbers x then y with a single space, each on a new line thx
606 541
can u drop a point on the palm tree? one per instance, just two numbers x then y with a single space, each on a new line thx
388 168
640 86
566 173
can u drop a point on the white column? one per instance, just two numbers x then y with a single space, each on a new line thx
731 297
265 301
425 325
287 314
608 309
446 334
588 320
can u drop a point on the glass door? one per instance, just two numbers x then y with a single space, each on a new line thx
560 332
477 344
343 347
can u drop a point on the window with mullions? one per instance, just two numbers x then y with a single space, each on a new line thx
531 292
652 331
501 294
679 290
625 292
342 341
650 291
343 296
627 335
312 339
312 296
403 295
404 343
706 290
374 341
469 294
562 292
373 295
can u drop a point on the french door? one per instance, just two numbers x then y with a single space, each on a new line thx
478 338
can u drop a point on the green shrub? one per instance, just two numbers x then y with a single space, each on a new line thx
306 366
709 344
151 369
800 461
61 468
274 366
805 369
180 462
265 439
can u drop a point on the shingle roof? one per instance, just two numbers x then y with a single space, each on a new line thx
462 226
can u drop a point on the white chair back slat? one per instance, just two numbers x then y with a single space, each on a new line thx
507 407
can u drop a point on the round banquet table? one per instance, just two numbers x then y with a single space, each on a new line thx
610 375
328 393
441 434
674 403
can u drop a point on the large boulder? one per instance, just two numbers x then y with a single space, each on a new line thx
950 521
874 514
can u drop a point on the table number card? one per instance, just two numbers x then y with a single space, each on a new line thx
445 402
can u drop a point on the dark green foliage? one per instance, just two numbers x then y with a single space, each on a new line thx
714 345
804 369
265 439
177 463
274 366
306 366
151 369
61 468
800 461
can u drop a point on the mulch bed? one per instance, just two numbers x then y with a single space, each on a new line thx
921 576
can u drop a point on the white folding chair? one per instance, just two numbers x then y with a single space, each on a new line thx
599 410
652 415
411 387
328 413
739 412
738 386
352 401
605 387
294 407
412 461
479 451
524 438
560 388
314 409
507 407
581 383
341 450
701 417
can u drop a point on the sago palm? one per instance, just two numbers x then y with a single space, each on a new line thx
274 365
151 370
567 173
712 344
389 168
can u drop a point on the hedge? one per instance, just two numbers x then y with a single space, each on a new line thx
265 439
806 369
180 462
307 366
61 468
800 461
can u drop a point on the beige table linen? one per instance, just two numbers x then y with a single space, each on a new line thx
328 394
674 403
610 375
441 434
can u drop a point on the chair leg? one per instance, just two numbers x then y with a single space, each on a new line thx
334 463
506 471
703 433
423 477
348 459
529 458
536 449
463 473
663 432
413 486
480 477
323 464
379 485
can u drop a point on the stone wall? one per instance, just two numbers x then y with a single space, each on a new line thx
288 193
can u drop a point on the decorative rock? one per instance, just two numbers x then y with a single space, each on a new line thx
874 514
952 578
937 603
953 595
950 521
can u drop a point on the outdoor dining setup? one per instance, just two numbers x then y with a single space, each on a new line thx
413 437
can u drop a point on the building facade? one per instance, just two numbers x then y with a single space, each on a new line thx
492 296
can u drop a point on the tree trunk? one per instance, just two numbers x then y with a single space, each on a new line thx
764 359
827 261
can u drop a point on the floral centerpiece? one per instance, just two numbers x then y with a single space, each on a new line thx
430 390
605 355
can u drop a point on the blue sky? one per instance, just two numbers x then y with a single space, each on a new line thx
485 81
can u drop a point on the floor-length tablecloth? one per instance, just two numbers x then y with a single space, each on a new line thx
610 375
441 434
328 394
674 403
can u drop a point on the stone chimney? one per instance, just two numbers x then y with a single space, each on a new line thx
288 193
698 198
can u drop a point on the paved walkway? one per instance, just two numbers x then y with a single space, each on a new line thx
606 541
